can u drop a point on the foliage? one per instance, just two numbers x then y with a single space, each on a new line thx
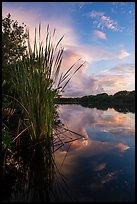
120 101
13 47
7 113
122 93
127 96
13 44
6 138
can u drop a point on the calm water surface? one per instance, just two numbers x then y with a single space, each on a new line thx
99 167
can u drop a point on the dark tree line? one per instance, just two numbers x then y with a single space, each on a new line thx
122 101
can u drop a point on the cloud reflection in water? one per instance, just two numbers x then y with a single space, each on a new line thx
97 167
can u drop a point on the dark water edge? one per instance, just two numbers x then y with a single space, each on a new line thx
120 107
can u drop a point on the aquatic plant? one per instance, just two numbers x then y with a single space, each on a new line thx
38 82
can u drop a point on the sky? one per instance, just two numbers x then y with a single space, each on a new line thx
100 33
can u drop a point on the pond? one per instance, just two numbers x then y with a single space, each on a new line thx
101 166
94 159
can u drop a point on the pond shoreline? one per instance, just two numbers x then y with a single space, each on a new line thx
120 107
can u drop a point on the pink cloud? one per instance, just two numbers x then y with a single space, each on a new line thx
122 54
99 167
102 21
109 23
33 19
93 118
100 34
122 147
120 77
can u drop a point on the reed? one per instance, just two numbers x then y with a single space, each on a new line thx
38 82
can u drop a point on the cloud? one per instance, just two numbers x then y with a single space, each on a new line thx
86 117
95 14
101 21
82 4
120 131
117 78
82 120
109 23
81 83
122 147
115 122
32 19
122 68
122 54
109 177
111 81
99 167
100 34
92 53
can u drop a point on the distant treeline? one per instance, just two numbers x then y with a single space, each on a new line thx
122 101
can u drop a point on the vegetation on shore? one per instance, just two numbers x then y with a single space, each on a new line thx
123 101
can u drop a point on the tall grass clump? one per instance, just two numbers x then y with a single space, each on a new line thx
38 82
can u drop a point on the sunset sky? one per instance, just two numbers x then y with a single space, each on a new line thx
102 33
